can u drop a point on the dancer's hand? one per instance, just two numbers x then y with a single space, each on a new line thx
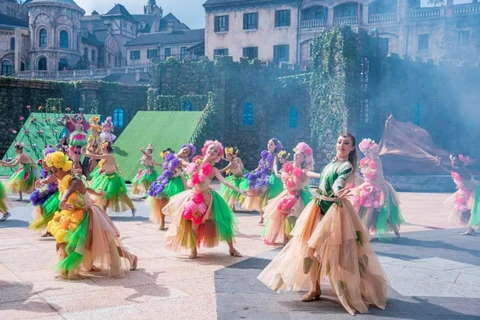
66 206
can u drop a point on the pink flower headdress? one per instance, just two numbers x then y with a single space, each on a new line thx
219 146
368 145
308 152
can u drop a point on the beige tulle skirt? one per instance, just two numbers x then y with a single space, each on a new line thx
344 251
156 205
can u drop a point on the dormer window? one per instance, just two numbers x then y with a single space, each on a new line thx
142 25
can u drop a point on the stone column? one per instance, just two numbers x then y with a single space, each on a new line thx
402 9
364 15
18 48
330 16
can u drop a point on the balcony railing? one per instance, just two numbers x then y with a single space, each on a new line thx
424 13
79 74
345 21
470 8
382 17
310 24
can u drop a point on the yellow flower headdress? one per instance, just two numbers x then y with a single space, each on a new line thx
232 151
164 153
59 160
94 119
283 154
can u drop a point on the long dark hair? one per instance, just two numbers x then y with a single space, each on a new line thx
352 156
278 145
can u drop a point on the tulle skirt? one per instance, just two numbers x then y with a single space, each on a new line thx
78 138
108 136
218 222
43 213
175 186
116 196
386 204
344 251
281 213
143 179
259 200
94 144
5 203
232 196
465 209
23 180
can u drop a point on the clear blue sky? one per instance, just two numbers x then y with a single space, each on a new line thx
190 12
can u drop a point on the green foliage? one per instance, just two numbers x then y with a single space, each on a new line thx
54 105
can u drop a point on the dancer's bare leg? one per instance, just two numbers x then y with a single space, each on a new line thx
231 249
314 273
20 196
129 203
368 220
469 232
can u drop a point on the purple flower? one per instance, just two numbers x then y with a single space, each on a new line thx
270 158
169 167
264 154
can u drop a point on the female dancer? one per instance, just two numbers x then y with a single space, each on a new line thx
283 156
375 200
329 240
264 181
46 197
200 215
23 180
83 231
111 182
465 203
147 175
94 142
79 136
235 171
283 211
107 132
170 182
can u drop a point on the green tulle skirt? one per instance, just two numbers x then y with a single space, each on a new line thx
23 179
475 212
95 173
388 217
115 190
143 179
229 194
276 186
4 201
174 187
76 246
49 207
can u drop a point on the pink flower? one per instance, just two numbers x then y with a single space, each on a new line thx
361 201
202 177
26 132
290 184
297 173
373 165
288 167
207 169
202 208
191 167
463 208
377 188
363 162
29 107
196 158
368 203
198 198
39 108
21 118
13 131
195 179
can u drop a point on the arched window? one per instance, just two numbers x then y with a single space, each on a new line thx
186 106
85 52
63 39
247 114
292 117
118 120
7 67
62 64
43 38
12 43
22 66
93 55
42 63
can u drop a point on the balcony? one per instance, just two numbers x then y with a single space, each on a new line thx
311 24
382 17
463 9
351 21
425 13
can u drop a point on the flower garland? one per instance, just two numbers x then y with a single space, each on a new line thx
261 177
291 177
39 196
461 198
169 166
368 168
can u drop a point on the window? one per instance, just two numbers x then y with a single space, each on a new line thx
221 24
118 120
85 52
280 53
423 43
43 38
250 52
250 21
168 52
141 25
282 18
42 63
186 106
247 114
63 39
12 43
383 47
93 55
220 52
22 66
463 38
7 67
152 53
62 64
183 52
135 55
321 14
292 117
351 11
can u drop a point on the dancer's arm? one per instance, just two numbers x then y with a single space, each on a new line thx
75 185
10 164
229 166
94 156
311 174
220 178
142 151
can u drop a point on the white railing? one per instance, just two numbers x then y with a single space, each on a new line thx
382 17
466 8
424 13
310 24
345 21
69 74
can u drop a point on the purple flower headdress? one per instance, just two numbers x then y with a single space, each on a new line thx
169 167
261 177
192 148
48 149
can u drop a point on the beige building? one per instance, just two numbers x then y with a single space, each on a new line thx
283 30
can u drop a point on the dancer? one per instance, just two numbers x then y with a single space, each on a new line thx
83 231
264 181
46 197
465 203
107 131
200 215
283 156
23 180
111 182
64 135
147 175
282 212
329 240
171 182
94 142
375 200
236 176
79 136
5 203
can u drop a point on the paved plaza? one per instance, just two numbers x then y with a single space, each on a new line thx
434 273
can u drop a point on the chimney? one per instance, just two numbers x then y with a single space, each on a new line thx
170 26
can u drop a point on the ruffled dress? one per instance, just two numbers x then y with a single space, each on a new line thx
23 179
144 177
78 137
282 212
107 134
90 236
464 204
46 201
330 226
377 194
94 140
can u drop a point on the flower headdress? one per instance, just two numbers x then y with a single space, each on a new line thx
192 148
48 149
59 160
94 119
368 145
278 144
105 144
208 143
283 154
232 150
464 159
19 145
165 152
307 152
150 147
